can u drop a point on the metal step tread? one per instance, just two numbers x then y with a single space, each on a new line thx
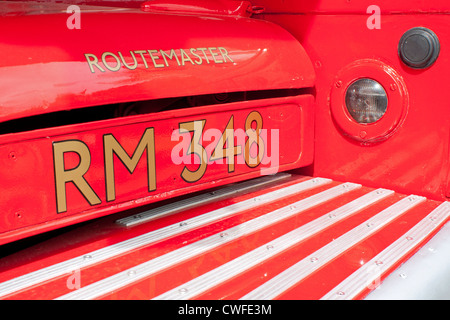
287 237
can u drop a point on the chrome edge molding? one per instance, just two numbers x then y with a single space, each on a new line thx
291 276
201 199
368 276
148 268
241 264
111 251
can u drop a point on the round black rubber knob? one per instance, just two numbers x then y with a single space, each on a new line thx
419 48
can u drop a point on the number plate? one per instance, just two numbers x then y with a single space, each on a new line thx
74 173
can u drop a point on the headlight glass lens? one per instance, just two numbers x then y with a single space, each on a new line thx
366 100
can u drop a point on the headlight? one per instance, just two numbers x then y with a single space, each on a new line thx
366 100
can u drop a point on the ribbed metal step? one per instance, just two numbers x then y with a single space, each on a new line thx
279 237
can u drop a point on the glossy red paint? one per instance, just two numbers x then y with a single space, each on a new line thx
83 240
408 150
397 97
77 182
415 157
105 233
47 67
352 6
202 7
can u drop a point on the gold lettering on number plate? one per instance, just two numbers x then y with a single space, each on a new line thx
111 147
72 158
75 175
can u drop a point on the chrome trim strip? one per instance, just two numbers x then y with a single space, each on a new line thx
294 274
231 269
145 269
68 266
201 199
368 276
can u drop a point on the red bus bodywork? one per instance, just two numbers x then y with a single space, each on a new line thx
153 110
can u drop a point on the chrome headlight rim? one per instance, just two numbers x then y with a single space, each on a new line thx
397 101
